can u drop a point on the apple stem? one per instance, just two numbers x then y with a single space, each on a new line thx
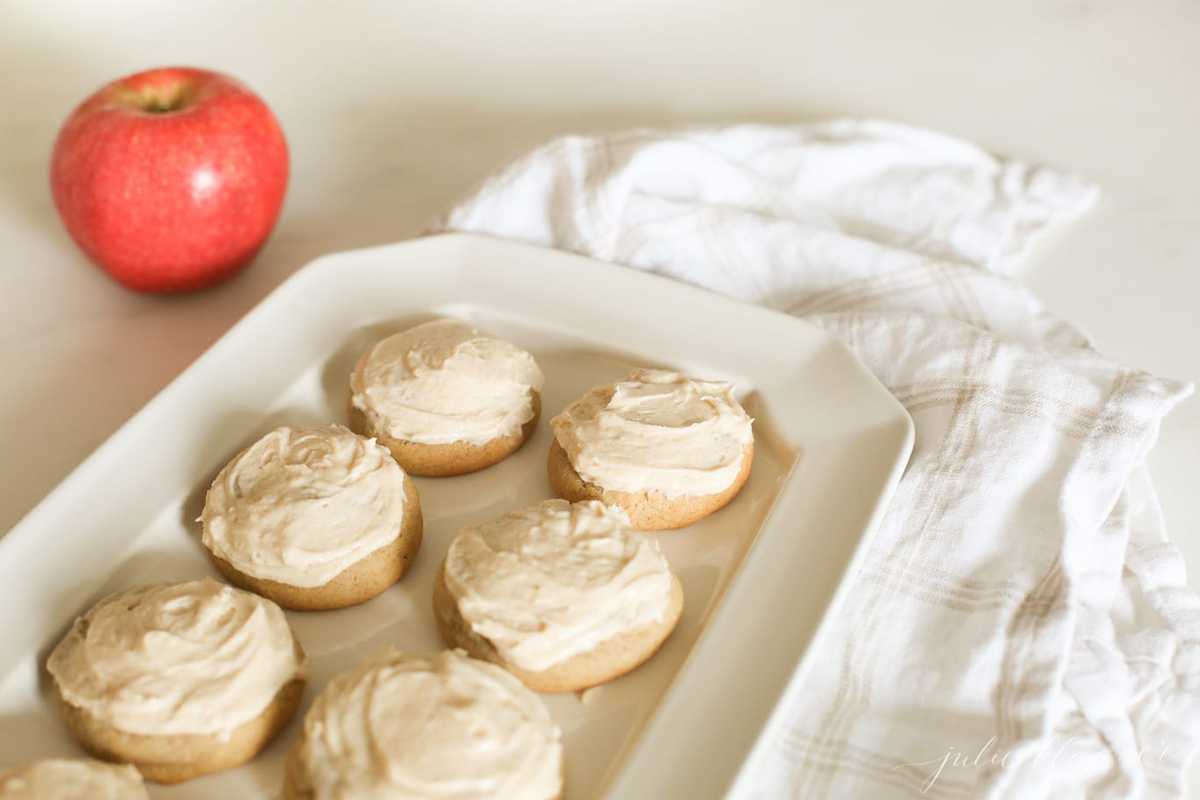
159 99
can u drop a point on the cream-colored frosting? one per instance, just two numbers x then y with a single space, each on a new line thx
73 779
188 658
299 506
657 431
448 726
554 580
444 382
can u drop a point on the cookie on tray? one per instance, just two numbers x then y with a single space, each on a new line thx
72 779
313 518
564 596
445 398
179 680
667 449
426 726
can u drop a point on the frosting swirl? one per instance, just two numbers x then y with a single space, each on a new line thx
73 779
301 505
188 658
445 726
554 580
444 382
656 431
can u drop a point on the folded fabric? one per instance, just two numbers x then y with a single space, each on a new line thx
1020 627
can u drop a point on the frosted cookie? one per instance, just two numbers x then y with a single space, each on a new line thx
443 726
564 596
445 398
665 448
313 518
72 779
178 679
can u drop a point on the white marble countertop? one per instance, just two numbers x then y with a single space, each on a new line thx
394 110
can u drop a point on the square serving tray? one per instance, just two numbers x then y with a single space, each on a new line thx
758 576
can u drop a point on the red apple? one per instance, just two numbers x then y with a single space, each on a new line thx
170 179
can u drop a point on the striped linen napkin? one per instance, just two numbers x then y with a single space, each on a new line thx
1021 626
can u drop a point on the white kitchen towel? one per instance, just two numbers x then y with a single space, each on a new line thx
1021 626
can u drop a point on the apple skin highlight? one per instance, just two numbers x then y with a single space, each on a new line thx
170 179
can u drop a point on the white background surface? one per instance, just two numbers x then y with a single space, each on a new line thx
394 110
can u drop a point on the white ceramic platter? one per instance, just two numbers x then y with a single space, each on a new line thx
758 576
